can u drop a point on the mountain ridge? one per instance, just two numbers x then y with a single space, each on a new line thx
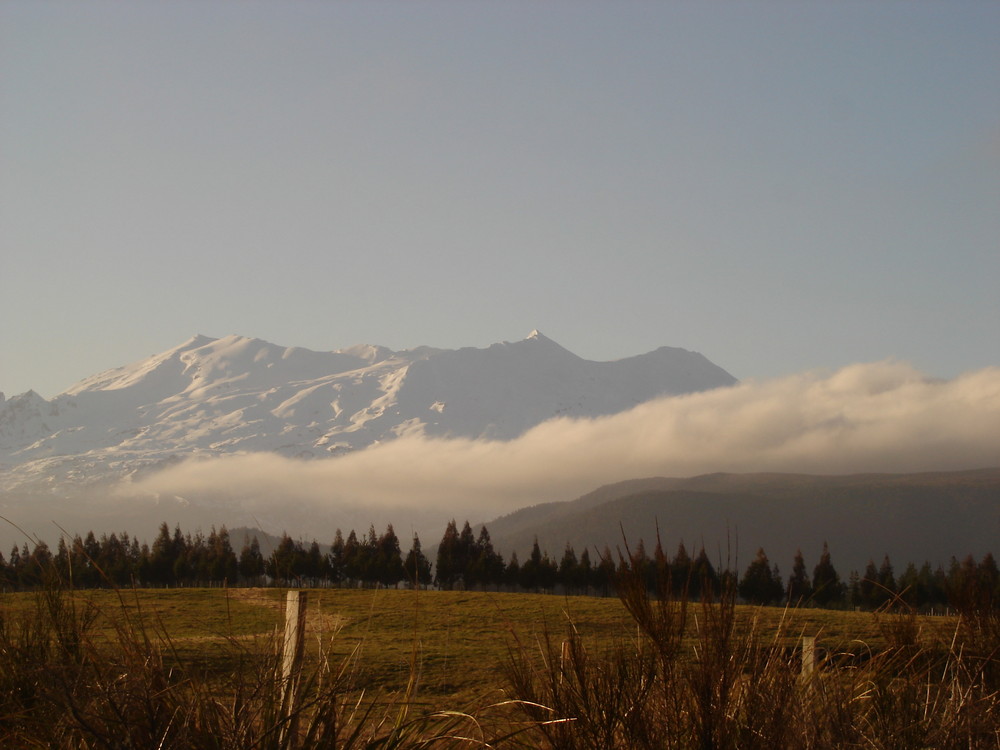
213 396
910 517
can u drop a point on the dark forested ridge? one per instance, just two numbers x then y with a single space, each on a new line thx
925 516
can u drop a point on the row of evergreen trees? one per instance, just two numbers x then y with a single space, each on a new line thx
922 587
468 560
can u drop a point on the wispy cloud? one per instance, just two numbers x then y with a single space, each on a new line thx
880 417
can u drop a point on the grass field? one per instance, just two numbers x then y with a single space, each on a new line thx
198 667
460 639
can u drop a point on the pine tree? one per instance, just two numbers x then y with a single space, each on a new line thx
161 561
827 588
799 587
5 580
568 569
604 574
417 567
368 562
390 559
548 572
287 560
315 567
989 582
761 583
853 591
680 571
868 586
886 589
14 567
909 587
488 568
661 568
353 564
251 563
466 555
447 569
225 566
531 571
704 580
585 572
512 573
335 559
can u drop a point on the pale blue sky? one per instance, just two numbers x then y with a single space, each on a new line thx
780 186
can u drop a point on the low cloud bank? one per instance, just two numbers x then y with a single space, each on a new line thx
880 417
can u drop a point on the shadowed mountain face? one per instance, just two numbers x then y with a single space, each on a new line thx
910 517
211 397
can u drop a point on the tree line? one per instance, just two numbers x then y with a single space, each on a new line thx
467 560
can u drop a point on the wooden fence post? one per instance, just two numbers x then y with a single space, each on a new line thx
808 657
291 664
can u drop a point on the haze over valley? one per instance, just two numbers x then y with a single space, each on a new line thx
242 432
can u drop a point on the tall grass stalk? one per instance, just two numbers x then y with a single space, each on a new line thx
704 675
73 676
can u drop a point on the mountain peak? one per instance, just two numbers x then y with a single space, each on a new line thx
197 340
541 338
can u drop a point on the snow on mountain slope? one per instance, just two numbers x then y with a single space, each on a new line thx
235 394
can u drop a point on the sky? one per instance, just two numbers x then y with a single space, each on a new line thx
780 186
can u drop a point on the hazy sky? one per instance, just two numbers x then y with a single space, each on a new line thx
780 186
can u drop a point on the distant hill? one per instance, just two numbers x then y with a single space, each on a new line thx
910 517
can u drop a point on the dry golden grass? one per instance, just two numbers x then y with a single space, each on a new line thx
394 668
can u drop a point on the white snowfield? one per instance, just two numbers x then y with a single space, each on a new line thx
236 395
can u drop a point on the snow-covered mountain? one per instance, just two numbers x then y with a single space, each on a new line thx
235 394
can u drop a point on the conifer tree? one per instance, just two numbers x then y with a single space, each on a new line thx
827 588
886 588
447 569
568 569
909 588
417 567
548 572
512 572
488 568
389 558
251 563
162 556
585 571
63 562
989 581
853 589
680 571
314 566
799 587
604 574
287 562
5 581
705 581
335 558
760 583
353 563
867 587
466 556
531 572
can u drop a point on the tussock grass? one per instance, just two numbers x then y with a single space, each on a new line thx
197 668
101 670
712 675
